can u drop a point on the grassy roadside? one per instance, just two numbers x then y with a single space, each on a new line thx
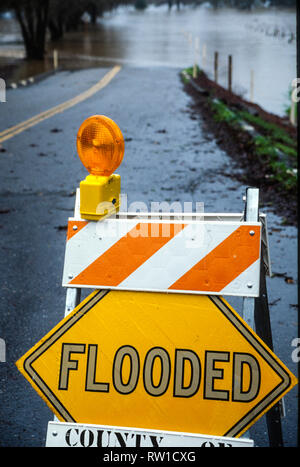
264 144
272 146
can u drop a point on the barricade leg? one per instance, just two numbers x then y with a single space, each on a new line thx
256 314
264 331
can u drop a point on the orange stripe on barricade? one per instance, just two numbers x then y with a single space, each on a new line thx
223 264
127 254
74 227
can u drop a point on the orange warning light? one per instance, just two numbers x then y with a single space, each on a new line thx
100 145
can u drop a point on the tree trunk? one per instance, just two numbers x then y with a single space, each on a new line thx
74 21
32 16
56 29
93 11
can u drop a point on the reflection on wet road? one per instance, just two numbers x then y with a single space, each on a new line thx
261 41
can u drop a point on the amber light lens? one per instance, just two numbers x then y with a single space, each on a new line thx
100 145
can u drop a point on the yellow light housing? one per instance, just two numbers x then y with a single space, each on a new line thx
100 146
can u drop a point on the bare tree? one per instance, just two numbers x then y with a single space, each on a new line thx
32 16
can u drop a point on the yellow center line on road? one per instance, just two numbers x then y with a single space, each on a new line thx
20 127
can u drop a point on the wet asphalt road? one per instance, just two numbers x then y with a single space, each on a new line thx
168 157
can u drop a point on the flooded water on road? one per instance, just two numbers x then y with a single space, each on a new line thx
262 44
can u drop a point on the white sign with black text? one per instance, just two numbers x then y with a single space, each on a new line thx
61 434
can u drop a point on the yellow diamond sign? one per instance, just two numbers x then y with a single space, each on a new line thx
160 361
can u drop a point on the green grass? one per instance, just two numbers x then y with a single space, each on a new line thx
273 146
190 70
184 78
287 108
222 113
287 150
265 147
272 129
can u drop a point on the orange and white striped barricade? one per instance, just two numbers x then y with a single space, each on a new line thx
160 254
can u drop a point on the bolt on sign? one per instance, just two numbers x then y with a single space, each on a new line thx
164 256
172 362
